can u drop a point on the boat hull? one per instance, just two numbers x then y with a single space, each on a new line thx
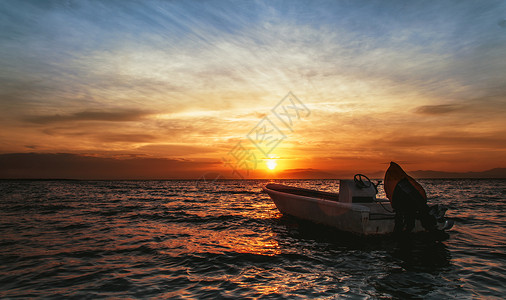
362 219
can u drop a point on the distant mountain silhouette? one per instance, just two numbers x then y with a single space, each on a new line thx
493 173
320 174
76 166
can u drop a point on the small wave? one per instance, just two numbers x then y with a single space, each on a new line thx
74 226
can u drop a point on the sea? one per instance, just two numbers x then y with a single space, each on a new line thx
225 239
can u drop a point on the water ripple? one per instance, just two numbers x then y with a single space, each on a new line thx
184 239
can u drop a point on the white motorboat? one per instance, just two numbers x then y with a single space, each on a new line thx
354 209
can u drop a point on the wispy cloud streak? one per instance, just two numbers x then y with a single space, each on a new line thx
108 116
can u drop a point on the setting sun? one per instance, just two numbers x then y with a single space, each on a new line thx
271 164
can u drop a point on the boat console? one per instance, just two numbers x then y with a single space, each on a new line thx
358 190
349 192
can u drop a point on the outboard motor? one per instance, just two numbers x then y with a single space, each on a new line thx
409 201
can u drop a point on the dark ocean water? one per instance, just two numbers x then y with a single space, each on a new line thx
188 239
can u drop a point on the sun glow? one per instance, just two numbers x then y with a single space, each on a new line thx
271 164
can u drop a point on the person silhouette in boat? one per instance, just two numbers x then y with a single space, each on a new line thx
409 200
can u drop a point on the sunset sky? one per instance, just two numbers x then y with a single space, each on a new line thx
167 89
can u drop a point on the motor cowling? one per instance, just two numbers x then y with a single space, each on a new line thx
408 199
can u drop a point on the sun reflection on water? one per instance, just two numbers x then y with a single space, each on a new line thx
175 239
